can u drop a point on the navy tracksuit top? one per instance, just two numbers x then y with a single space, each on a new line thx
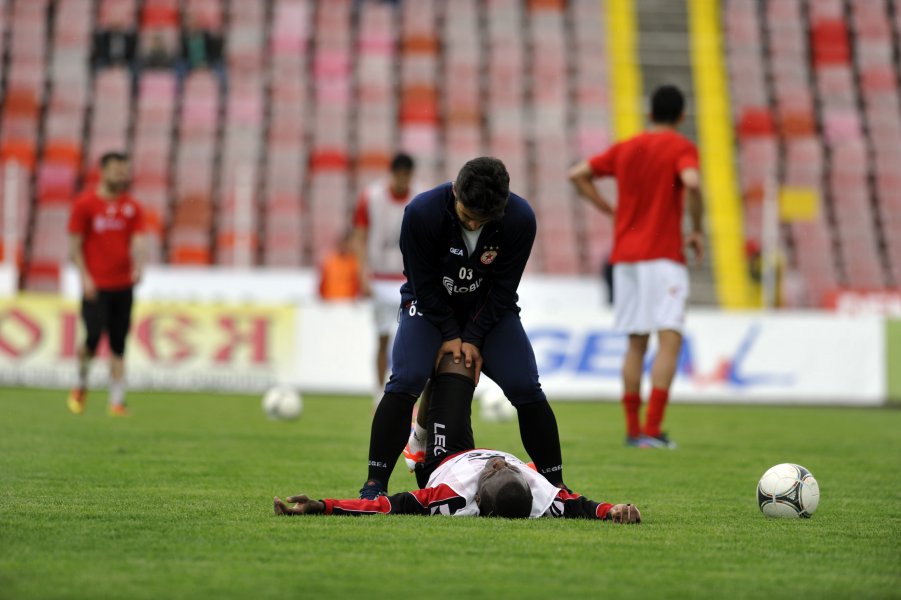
464 295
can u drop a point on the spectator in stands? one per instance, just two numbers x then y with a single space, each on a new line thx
654 171
465 246
200 48
339 275
158 54
106 244
376 221
114 46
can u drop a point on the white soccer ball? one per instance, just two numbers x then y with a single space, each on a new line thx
494 406
788 490
282 403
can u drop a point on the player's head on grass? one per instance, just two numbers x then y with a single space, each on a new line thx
667 105
503 491
402 166
114 172
481 190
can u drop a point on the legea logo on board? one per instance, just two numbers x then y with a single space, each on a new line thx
599 353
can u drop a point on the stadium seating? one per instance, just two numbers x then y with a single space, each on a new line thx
312 101
815 92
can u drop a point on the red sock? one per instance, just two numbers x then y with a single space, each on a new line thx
656 408
632 406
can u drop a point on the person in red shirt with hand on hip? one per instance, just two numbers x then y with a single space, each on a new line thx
106 244
655 171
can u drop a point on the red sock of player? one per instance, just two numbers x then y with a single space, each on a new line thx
656 408
632 406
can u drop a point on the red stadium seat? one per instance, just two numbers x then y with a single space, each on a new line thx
42 277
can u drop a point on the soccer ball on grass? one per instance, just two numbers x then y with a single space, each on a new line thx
494 406
788 490
282 403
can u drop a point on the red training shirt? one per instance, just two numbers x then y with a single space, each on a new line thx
648 218
106 227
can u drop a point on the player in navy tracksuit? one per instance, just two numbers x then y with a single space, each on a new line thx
465 246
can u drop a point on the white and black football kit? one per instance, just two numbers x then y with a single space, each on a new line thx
452 488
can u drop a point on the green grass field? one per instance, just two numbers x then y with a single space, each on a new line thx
175 502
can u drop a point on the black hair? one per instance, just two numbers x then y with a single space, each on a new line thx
667 105
513 500
402 162
483 187
114 156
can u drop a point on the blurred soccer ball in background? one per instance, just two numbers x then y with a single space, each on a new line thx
282 403
788 490
494 406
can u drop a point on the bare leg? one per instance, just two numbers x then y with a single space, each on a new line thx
634 363
664 368
84 367
381 361
117 380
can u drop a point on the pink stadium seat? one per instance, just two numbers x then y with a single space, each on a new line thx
56 181
206 14
422 139
841 125
117 13
154 198
49 242
23 210
825 10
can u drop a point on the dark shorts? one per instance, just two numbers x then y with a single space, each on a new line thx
508 358
109 312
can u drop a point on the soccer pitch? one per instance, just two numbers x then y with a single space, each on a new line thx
175 502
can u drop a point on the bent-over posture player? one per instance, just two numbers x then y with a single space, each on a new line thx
457 479
465 245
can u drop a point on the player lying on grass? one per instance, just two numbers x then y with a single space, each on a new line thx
456 479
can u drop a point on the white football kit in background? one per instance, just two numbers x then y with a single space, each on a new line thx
386 303
383 253
649 296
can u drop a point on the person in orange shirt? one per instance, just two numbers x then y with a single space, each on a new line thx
656 172
106 243
339 274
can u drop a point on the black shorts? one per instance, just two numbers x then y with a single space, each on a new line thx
109 312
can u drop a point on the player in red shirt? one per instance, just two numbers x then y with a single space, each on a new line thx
654 172
376 222
106 244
